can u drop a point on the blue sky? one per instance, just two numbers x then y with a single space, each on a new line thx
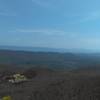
50 23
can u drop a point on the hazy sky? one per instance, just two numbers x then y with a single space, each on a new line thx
50 23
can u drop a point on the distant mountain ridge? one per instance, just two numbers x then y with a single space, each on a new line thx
48 59
45 49
34 49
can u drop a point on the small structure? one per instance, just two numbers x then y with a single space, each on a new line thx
17 78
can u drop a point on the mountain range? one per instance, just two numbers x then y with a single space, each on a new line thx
45 49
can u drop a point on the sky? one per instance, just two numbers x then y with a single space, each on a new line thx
70 24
